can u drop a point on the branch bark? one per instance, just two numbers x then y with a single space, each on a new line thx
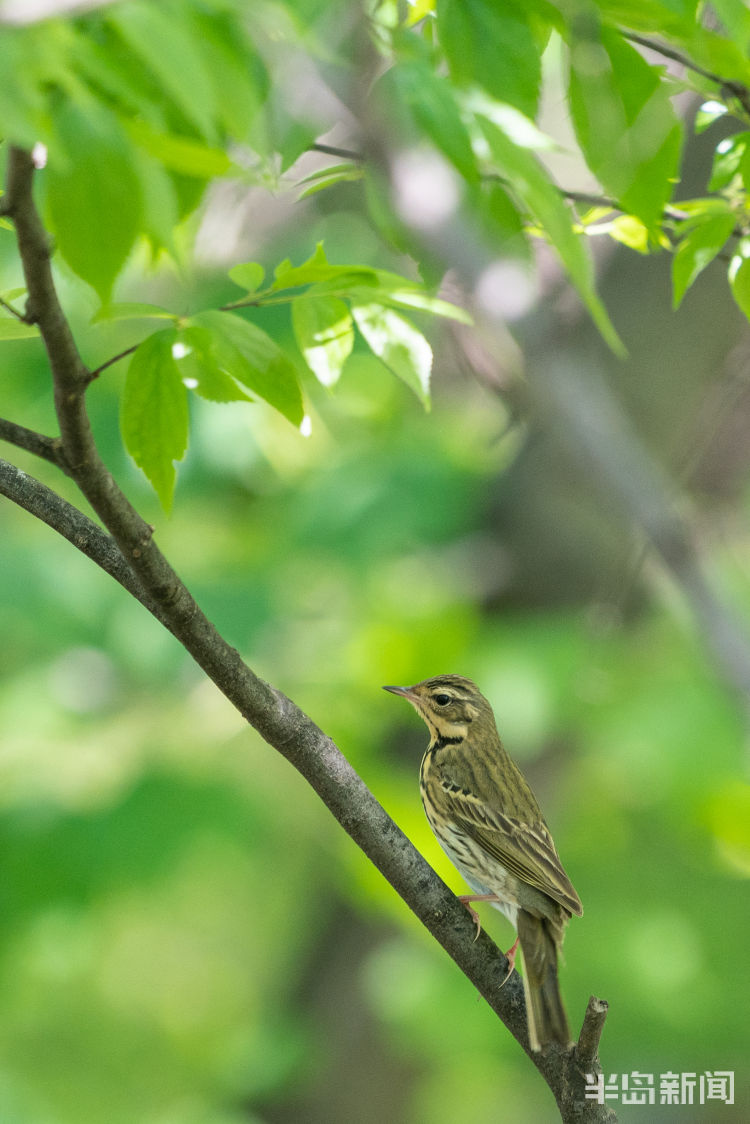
130 554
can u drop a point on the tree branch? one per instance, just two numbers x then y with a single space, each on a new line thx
737 89
48 448
279 721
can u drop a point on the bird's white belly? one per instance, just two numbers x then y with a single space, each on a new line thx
467 856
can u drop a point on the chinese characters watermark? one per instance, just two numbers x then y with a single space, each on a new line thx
663 1088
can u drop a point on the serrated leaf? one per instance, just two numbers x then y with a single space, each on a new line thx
248 275
91 186
324 333
316 268
154 412
132 310
200 369
531 184
696 250
249 355
11 329
492 45
625 123
398 345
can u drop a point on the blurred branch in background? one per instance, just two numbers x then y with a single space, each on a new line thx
570 399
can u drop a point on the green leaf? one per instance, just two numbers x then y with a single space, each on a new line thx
696 250
625 124
11 329
317 268
531 184
728 158
324 333
200 369
93 192
248 276
161 35
154 413
132 310
255 360
709 112
352 174
398 344
739 276
183 155
431 101
492 44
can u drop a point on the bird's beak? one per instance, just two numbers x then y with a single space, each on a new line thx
406 692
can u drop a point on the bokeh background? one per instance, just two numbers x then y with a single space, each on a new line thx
186 937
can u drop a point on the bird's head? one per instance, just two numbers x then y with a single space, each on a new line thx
449 704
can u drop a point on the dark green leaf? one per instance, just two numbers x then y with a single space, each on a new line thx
325 335
154 414
93 192
255 360
433 105
163 37
491 43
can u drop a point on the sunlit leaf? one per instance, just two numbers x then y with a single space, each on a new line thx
325 335
200 369
398 344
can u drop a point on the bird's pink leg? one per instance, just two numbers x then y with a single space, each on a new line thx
467 899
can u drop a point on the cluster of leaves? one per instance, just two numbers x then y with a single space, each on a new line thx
139 106
219 354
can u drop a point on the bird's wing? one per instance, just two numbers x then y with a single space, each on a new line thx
524 849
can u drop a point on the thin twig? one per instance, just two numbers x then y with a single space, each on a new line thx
115 359
14 311
48 448
333 150
737 89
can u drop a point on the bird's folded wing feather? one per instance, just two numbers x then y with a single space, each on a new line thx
525 849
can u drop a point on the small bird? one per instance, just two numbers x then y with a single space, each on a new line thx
487 821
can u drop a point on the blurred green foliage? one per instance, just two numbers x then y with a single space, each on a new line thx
186 937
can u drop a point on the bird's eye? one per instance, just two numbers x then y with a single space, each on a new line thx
442 700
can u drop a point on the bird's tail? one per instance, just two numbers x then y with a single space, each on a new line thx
544 1007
